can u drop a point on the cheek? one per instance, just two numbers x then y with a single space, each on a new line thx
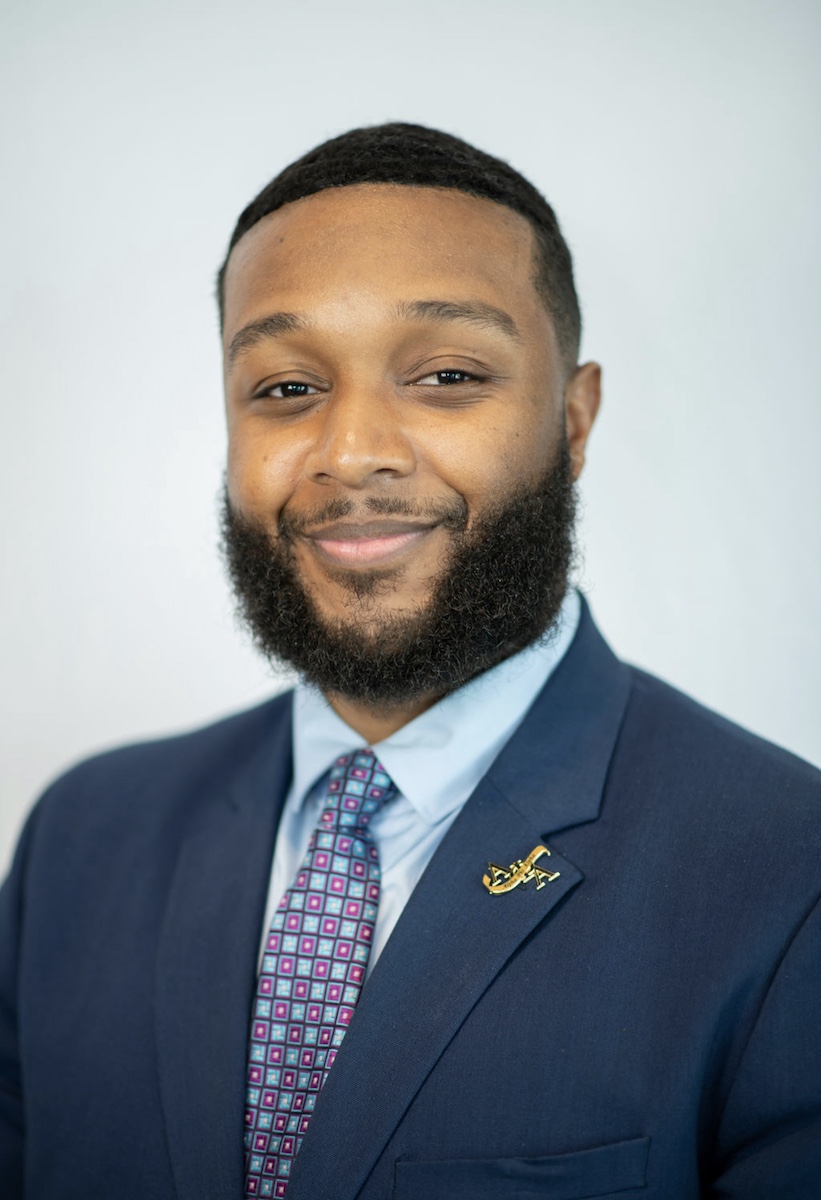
261 471
496 455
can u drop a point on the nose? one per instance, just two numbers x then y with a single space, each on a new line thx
360 437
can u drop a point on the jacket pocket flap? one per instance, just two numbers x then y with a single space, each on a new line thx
599 1171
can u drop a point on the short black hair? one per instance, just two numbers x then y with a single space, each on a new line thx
417 156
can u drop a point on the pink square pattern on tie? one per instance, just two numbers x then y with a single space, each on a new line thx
313 968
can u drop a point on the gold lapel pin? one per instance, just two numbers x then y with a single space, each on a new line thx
505 879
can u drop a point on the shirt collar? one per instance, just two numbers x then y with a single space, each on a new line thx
437 759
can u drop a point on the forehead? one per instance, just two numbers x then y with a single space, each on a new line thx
400 243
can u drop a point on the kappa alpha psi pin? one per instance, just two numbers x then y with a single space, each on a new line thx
523 870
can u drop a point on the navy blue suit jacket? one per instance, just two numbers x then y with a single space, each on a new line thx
646 1025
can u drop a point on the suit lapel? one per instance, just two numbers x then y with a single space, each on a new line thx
206 965
453 938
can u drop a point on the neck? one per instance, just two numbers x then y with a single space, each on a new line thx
375 725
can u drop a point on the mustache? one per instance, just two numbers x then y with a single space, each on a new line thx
451 514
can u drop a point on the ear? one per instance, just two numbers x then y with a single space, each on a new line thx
582 397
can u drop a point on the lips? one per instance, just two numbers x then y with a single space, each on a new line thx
369 542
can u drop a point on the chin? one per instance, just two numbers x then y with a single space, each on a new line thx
367 599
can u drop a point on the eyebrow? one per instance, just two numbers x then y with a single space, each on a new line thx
473 312
271 326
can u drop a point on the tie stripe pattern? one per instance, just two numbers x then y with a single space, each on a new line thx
313 968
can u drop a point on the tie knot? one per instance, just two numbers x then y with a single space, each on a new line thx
358 788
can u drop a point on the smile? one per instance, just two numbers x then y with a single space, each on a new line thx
368 544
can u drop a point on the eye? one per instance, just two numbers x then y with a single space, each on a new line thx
289 389
445 378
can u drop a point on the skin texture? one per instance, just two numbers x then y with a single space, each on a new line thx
390 396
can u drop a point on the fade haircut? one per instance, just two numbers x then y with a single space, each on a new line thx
416 156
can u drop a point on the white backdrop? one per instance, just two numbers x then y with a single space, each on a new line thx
678 142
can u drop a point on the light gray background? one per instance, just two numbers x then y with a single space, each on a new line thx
679 145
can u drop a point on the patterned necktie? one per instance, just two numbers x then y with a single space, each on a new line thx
316 955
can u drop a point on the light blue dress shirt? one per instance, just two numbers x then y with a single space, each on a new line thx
435 761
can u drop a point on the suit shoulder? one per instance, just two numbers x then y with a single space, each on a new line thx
671 734
208 753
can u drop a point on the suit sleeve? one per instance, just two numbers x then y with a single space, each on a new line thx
770 1134
11 1091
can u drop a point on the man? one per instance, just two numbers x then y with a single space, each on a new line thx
478 910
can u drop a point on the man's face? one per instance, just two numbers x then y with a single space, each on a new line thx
385 348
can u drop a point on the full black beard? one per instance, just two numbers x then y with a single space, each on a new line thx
501 590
